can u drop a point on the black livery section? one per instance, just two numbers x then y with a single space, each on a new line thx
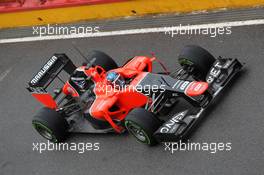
153 83
179 125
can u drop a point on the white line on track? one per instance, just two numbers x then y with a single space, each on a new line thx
4 74
135 31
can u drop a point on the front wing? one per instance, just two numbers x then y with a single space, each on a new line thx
180 124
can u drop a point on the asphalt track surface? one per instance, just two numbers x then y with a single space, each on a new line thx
236 118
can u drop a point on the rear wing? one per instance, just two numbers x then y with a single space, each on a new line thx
50 71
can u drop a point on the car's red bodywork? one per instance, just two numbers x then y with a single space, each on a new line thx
113 105
124 100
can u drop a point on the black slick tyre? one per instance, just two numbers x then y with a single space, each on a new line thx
142 124
196 60
50 125
103 60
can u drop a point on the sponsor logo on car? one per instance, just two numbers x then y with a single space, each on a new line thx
43 70
169 125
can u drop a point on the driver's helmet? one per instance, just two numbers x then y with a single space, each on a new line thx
79 78
115 79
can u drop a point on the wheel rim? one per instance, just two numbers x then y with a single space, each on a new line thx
187 64
137 132
185 61
44 131
190 68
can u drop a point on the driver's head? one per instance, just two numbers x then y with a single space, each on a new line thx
115 79
79 78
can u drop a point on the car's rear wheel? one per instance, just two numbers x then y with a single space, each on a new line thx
196 60
103 60
142 124
50 125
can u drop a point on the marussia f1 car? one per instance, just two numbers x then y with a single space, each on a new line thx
137 98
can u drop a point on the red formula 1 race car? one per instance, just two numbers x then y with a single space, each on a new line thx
100 97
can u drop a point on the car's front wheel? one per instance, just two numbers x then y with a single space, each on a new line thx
142 124
196 60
